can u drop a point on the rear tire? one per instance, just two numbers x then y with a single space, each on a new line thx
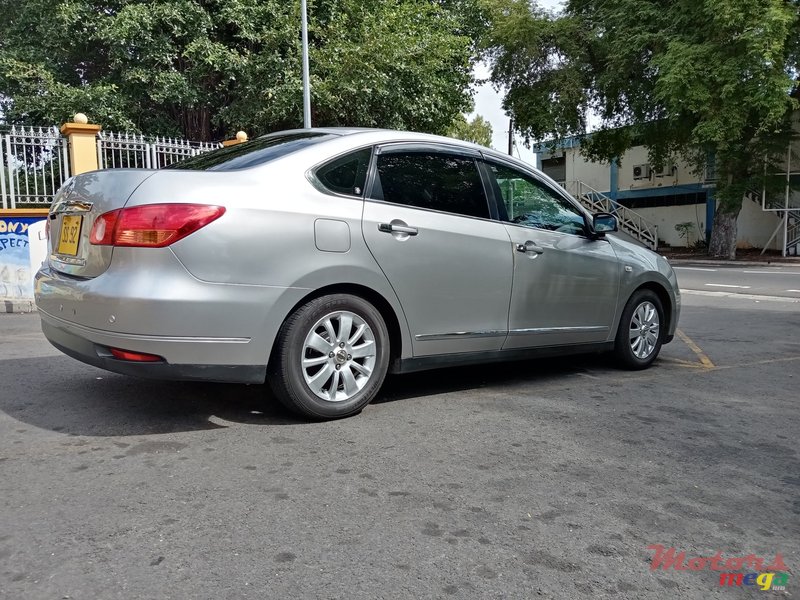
641 331
330 358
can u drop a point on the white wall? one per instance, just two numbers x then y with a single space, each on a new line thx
754 225
681 175
596 175
37 245
666 217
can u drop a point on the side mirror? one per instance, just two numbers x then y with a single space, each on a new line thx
603 223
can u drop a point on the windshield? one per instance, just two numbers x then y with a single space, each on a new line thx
253 153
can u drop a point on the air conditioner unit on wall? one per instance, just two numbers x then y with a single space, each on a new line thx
641 171
665 171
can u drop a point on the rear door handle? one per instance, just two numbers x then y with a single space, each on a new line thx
393 228
529 247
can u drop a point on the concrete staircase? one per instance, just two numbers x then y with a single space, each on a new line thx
792 247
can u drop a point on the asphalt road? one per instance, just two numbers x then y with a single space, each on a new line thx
781 280
537 479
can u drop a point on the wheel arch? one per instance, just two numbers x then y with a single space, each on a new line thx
383 306
663 295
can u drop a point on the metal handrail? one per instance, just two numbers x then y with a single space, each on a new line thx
629 220
776 206
793 231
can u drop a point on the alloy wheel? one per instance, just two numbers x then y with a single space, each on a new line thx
644 330
339 355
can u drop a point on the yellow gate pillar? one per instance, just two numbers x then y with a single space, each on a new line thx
240 138
82 138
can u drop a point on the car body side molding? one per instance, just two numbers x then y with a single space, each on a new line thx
423 363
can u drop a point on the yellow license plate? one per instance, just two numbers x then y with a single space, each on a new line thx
70 234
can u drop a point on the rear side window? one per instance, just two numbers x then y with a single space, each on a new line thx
431 180
253 153
346 174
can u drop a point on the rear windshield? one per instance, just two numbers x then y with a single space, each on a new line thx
253 153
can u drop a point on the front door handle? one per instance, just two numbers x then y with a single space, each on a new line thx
396 228
529 247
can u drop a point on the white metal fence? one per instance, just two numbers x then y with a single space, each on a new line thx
34 161
124 150
33 165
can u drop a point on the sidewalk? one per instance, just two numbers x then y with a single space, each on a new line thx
743 259
17 306
773 262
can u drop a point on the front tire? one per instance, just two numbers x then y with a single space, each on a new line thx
640 333
331 357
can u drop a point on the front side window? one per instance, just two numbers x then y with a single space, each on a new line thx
346 174
431 180
531 203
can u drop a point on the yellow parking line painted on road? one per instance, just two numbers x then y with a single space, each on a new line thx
682 363
706 362
767 361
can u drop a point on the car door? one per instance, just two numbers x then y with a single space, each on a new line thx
428 224
566 282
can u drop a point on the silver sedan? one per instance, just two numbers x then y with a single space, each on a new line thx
320 260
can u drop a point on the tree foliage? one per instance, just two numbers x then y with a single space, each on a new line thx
691 78
205 68
477 131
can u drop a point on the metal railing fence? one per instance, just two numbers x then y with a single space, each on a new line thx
629 220
34 163
125 150
793 233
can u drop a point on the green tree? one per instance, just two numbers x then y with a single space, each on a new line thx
695 78
477 131
204 69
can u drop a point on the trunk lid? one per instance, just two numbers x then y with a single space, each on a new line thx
75 208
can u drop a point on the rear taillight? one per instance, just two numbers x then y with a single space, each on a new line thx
152 225
121 354
103 229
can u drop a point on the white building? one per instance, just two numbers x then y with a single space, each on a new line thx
674 195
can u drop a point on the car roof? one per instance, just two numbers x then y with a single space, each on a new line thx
374 135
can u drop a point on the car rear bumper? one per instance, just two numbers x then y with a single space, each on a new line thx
94 347
202 330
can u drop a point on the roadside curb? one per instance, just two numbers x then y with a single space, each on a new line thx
733 263
17 306
740 296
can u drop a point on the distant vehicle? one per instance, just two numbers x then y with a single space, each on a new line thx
322 259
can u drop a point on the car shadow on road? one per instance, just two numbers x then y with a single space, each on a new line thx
455 379
57 394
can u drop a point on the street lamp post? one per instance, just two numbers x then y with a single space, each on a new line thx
306 85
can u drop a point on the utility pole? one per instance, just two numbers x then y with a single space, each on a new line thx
511 137
306 84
